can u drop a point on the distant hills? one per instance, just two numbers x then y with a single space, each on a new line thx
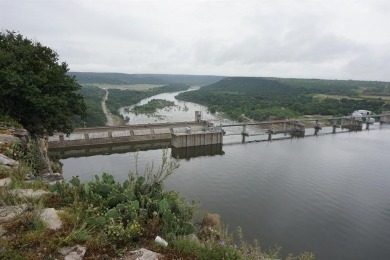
241 98
129 79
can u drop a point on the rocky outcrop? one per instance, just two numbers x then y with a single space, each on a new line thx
8 213
29 193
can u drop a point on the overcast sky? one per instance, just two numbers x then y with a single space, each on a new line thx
330 39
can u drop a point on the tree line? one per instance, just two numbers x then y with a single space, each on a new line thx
259 98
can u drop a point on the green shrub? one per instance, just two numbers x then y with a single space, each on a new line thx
122 211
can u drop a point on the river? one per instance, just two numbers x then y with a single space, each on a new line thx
328 194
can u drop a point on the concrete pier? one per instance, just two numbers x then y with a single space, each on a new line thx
352 124
196 139
196 151
385 117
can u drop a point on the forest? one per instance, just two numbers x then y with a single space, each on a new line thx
93 97
261 98
152 106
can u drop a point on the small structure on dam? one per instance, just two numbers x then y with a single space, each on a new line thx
385 117
196 138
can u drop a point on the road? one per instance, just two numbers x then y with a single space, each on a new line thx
112 120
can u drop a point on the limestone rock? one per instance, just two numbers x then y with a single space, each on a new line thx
9 212
51 219
76 252
8 139
5 182
29 193
18 132
8 161
142 254
50 178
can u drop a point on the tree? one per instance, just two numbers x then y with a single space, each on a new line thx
35 89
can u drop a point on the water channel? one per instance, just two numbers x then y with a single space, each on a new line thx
328 194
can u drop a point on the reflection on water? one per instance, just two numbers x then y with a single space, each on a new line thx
196 151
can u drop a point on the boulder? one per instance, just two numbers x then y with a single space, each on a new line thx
76 252
5 182
51 219
4 160
142 254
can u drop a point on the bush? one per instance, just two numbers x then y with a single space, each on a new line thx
123 211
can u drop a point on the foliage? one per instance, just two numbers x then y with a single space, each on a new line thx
7 121
152 106
260 98
95 116
28 155
123 211
34 88
228 248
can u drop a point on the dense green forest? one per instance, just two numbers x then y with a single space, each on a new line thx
128 79
260 98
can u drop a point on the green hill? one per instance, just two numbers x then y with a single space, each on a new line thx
259 98
155 79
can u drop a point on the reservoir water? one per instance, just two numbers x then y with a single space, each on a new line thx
327 194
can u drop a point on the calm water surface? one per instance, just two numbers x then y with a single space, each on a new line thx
327 194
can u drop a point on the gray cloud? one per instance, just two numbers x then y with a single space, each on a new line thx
308 38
